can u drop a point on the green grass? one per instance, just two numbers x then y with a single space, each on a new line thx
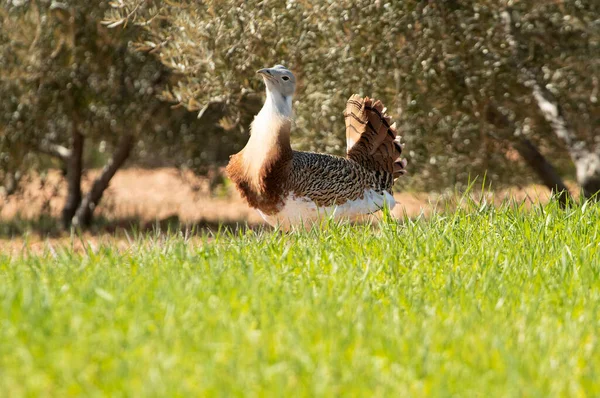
477 302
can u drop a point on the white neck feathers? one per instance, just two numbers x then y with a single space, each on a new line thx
269 133
279 104
270 121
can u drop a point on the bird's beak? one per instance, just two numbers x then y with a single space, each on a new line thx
265 72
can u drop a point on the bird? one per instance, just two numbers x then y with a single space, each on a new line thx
292 188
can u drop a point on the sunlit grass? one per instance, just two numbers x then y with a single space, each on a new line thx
481 301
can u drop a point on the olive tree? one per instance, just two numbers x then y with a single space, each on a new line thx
469 81
70 87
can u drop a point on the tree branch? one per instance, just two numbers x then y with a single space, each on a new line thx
587 163
83 216
532 156
547 104
55 150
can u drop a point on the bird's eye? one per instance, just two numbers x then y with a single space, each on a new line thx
285 78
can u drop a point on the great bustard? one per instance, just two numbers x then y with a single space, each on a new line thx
290 187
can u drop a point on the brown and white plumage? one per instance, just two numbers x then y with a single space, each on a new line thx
290 187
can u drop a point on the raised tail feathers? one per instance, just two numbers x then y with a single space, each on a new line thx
371 140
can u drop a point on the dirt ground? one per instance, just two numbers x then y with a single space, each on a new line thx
160 197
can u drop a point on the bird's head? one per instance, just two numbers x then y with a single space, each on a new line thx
279 80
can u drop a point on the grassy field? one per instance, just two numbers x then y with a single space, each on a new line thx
483 301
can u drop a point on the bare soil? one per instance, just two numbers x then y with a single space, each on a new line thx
144 199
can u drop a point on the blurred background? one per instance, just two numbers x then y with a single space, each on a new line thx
126 111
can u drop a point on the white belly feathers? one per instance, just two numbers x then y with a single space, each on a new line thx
302 210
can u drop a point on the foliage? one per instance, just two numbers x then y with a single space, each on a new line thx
68 72
63 70
71 82
439 66
345 310
76 90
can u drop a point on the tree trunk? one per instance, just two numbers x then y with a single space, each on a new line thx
588 175
587 163
74 166
544 170
532 156
83 216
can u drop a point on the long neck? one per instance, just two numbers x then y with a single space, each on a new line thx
269 135
278 104
271 127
